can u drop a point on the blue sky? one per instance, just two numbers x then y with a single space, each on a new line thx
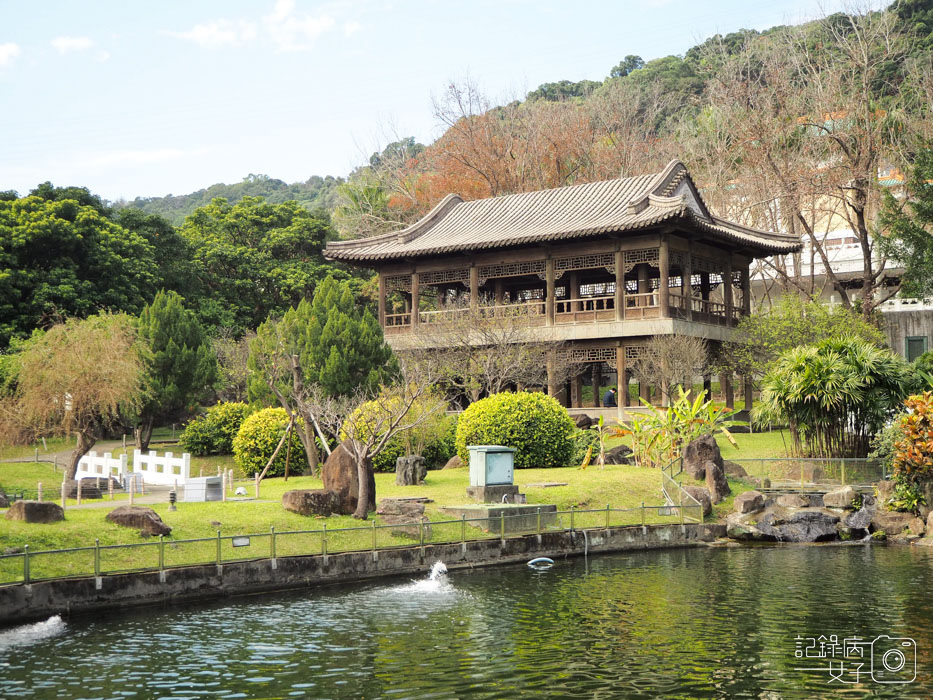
151 98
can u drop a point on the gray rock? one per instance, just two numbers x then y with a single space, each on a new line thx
146 520
583 421
405 517
749 502
311 502
884 490
893 524
792 500
858 520
759 482
454 463
811 473
340 474
89 488
701 495
621 454
716 482
734 469
410 470
799 525
842 497
929 529
740 527
698 453
35 512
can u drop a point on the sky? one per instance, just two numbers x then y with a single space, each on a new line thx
153 98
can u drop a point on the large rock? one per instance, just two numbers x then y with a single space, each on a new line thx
698 453
406 517
89 488
716 482
621 454
311 501
749 502
701 495
741 527
582 421
842 497
734 469
858 520
146 520
792 500
340 474
35 512
454 463
893 524
410 470
884 490
799 524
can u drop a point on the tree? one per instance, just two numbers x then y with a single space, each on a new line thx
232 364
61 258
171 254
80 375
626 66
908 228
254 258
180 363
327 346
672 360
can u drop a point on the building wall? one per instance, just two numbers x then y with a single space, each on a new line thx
902 323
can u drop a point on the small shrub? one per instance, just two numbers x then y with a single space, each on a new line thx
913 446
534 424
438 451
583 440
385 460
257 439
213 433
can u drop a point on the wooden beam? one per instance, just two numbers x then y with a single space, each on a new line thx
664 291
415 299
382 300
550 294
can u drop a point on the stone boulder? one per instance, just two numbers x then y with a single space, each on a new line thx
146 520
809 472
884 490
410 470
89 488
406 517
749 502
340 474
929 529
741 527
583 421
842 497
894 524
734 469
454 463
799 524
716 482
35 512
311 501
701 495
858 520
792 500
698 453
621 454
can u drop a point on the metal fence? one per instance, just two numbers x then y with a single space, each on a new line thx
160 554
679 501
814 473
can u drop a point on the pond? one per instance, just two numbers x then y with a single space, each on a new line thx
690 623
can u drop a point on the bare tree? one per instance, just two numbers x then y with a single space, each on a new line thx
81 376
232 360
672 360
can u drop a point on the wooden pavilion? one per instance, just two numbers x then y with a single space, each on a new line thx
601 266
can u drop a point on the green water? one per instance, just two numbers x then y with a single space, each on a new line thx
697 623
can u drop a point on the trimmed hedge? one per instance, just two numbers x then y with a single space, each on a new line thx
213 433
257 439
539 428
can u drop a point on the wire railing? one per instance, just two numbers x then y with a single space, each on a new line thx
815 473
29 566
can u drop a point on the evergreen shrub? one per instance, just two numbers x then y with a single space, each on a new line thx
213 433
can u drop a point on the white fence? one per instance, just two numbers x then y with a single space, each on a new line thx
93 466
165 470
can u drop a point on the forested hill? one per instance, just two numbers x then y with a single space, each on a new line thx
316 192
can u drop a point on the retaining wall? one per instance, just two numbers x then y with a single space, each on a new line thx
26 602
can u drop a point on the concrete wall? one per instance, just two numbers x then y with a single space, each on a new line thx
22 603
901 324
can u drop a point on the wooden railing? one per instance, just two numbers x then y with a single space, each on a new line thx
532 310
642 305
585 309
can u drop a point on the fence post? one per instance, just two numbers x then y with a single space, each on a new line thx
539 520
25 563
324 540
161 555
97 557
39 491
223 485
37 455
502 527
64 492
218 548
374 536
257 485
272 541
607 516
421 534
110 487
644 519
79 492
571 518
843 463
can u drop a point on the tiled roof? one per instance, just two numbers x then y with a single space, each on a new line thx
576 211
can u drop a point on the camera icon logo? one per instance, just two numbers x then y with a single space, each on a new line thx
893 659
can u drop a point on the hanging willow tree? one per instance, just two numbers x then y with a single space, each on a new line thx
834 396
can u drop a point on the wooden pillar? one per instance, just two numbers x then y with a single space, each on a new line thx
727 297
415 299
597 378
748 391
552 388
704 287
643 286
664 290
620 287
686 275
382 300
474 286
621 378
725 381
746 291
550 293
644 391
500 292
707 387
574 291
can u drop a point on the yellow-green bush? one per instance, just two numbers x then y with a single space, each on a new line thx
213 433
539 428
257 439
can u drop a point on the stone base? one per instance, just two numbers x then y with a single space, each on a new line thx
492 494
506 518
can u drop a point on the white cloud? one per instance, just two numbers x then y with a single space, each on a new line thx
123 158
291 31
219 33
8 52
64 44
103 55
351 28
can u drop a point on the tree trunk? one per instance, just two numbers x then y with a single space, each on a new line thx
85 443
306 435
362 503
144 434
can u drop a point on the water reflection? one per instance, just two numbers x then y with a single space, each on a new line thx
698 623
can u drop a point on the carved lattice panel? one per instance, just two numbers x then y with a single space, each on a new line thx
677 258
737 279
635 352
631 258
446 276
586 262
398 283
589 355
530 267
